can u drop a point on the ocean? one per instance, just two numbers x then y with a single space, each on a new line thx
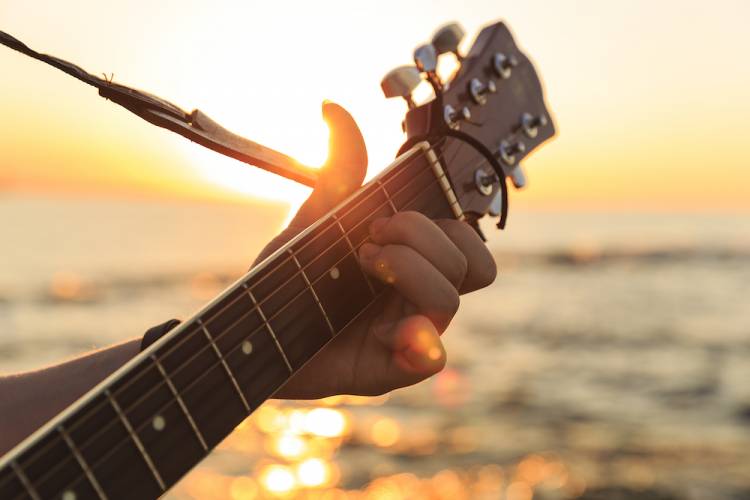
610 359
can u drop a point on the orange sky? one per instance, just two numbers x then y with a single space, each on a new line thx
650 98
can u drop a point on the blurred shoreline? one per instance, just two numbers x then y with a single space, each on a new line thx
609 360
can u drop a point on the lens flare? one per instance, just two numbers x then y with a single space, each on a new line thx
385 432
325 422
278 479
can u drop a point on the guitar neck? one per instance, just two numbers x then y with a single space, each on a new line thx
139 431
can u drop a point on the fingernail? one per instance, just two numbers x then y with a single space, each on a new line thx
377 225
368 251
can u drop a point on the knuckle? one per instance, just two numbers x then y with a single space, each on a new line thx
461 268
452 301
487 273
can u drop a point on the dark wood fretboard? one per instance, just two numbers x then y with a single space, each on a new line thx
143 428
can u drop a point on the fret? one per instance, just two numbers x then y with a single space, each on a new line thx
300 328
402 194
356 220
354 252
290 310
387 197
124 419
24 482
90 475
268 328
224 364
312 291
190 364
431 202
107 445
50 466
180 402
159 423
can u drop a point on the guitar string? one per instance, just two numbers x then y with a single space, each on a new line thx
277 265
222 358
115 447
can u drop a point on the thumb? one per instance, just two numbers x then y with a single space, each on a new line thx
343 171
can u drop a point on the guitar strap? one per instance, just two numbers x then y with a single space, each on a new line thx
196 125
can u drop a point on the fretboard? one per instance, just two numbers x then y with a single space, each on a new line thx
144 427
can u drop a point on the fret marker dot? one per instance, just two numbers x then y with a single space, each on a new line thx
68 495
335 273
159 423
247 347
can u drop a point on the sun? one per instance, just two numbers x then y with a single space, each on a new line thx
237 177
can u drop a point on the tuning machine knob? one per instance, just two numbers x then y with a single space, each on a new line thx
530 124
447 39
503 64
425 58
517 177
453 117
401 82
479 90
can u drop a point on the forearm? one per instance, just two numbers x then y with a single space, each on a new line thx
28 400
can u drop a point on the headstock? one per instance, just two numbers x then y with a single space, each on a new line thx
485 120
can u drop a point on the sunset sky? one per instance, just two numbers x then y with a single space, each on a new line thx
650 98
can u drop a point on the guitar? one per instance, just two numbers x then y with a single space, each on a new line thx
140 430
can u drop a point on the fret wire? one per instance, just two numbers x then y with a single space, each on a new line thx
25 481
225 365
82 463
146 457
350 209
387 196
256 305
312 290
180 402
353 250
173 390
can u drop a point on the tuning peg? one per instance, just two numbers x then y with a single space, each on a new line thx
518 177
508 151
401 82
447 39
425 58
479 90
503 64
530 124
453 117
496 206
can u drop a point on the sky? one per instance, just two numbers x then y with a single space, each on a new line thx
650 98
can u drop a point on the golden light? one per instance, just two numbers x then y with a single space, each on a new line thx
531 469
314 473
278 479
296 421
385 432
270 419
289 446
325 422
519 491
66 285
243 488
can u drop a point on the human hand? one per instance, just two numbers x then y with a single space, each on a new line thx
427 263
